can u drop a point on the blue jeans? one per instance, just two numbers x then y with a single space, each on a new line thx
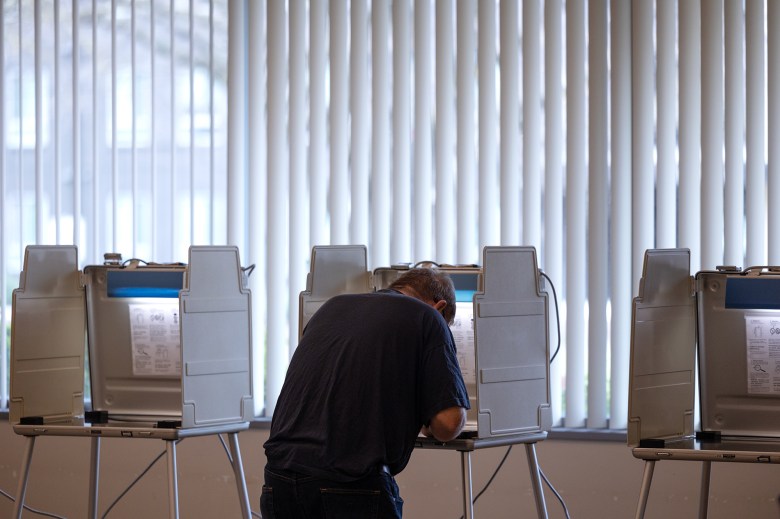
289 495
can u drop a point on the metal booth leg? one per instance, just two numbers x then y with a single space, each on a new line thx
238 471
536 480
704 495
173 484
94 477
468 498
647 478
21 489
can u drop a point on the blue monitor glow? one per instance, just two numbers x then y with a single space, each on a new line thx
135 283
466 284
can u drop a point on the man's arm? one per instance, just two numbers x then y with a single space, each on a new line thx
446 424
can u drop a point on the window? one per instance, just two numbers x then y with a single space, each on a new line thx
423 129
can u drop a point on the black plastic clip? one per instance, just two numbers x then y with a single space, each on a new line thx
653 443
96 417
708 436
169 424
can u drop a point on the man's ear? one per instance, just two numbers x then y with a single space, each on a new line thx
440 305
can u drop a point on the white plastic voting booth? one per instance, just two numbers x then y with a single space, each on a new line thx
168 349
502 338
726 323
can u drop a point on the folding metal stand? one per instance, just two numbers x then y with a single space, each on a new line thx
647 479
173 485
467 446
680 323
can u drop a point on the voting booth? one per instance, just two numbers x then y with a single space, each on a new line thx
163 351
501 333
722 325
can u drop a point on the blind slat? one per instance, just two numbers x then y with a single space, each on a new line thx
339 146
39 215
318 228
666 107
257 181
379 250
278 212
532 120
400 232
488 214
621 285
466 154
422 175
299 199
773 128
712 205
358 105
689 70
3 258
509 120
755 98
734 121
576 216
57 166
598 239
445 136
552 258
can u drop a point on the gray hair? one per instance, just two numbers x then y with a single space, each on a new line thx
430 284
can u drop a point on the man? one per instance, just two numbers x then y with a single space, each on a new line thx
370 373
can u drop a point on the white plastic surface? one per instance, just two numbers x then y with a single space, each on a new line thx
47 336
663 348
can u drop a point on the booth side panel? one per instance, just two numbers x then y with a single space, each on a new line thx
216 339
334 270
512 344
48 336
663 344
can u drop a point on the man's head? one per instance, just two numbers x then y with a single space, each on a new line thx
431 286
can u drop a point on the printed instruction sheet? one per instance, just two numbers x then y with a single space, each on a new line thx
763 354
463 333
154 328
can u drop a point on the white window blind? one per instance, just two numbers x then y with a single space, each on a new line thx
424 129
114 131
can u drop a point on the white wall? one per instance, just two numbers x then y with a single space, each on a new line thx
598 480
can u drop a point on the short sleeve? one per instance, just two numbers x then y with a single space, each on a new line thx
441 379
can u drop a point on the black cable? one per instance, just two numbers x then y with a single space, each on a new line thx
565 510
557 314
140 261
132 484
224 446
541 473
29 508
136 260
557 349
426 263
148 467
495 473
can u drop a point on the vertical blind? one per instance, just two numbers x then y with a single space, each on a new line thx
423 129
114 132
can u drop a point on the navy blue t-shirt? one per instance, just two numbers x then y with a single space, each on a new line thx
369 372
